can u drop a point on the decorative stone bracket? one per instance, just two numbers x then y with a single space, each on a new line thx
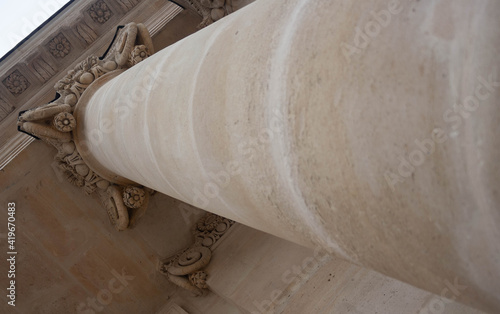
185 269
54 124
211 10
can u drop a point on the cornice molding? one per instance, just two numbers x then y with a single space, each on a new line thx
161 18
16 145
29 73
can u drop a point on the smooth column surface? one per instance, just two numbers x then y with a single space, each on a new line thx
368 128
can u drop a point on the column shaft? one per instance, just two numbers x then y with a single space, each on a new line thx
328 123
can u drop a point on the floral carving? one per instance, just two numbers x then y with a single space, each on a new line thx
210 229
54 122
138 54
133 197
100 12
185 268
208 223
199 279
16 83
64 122
71 86
59 46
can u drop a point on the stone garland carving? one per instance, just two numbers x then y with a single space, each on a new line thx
85 33
59 46
185 269
211 10
54 122
16 83
100 12
43 70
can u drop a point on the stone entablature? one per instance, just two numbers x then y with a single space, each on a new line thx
29 73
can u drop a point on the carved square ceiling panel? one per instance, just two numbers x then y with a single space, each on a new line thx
100 12
59 46
16 83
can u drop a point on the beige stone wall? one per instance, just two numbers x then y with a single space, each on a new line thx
262 274
68 250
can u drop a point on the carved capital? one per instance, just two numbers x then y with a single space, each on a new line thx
54 122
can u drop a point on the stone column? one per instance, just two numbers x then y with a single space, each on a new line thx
370 129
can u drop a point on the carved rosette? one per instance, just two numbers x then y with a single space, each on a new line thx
16 83
133 197
210 229
59 46
100 12
64 122
185 269
54 123
138 54
199 279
